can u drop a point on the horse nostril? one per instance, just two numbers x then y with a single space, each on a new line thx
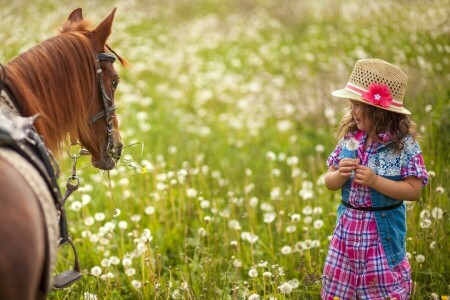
119 149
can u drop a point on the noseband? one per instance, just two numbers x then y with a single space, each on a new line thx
108 110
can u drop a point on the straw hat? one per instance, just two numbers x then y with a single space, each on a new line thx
377 83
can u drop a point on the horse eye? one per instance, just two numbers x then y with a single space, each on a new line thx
115 83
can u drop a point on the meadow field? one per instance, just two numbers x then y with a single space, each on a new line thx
228 120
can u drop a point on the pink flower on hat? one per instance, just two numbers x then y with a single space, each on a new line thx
378 94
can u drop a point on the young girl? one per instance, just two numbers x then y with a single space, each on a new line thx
377 165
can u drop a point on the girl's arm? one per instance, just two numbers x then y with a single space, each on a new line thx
336 178
407 189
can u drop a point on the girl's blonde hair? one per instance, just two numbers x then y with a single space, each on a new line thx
383 121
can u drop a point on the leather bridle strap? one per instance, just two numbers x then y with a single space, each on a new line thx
108 111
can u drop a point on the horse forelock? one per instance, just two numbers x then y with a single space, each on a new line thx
57 79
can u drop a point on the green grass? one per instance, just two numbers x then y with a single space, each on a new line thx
231 102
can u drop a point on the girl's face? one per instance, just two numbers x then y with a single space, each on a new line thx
359 117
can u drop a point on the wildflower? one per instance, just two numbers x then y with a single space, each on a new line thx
234 244
320 148
76 206
286 250
294 283
176 294
237 263
437 213
425 223
136 284
267 274
99 216
444 297
89 296
262 264
307 210
205 204
295 218
275 193
285 288
89 221
253 273
291 228
254 297
433 245
317 210
269 217
126 262
440 190
420 258
96 271
234 224
122 225
252 238
271 156
431 174
130 271
85 199
434 296
149 210
191 193
336 298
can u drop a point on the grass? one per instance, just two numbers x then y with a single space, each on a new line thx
230 103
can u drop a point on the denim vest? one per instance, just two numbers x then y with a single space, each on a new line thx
391 224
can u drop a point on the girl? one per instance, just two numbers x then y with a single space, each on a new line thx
377 165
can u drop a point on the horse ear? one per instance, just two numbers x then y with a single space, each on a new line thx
75 16
103 30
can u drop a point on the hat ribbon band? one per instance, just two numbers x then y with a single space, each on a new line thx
359 91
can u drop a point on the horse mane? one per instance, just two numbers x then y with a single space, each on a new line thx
54 79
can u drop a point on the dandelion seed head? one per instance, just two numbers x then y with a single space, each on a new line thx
420 258
253 273
96 271
285 288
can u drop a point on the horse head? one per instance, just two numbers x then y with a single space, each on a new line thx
103 139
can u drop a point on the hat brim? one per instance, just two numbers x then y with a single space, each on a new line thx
345 94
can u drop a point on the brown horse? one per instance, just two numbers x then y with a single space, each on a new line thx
69 81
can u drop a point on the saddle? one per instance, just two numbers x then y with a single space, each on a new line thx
19 134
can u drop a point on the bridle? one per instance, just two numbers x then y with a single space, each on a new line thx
108 110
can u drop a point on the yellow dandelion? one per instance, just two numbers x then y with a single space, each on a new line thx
335 298
444 297
144 170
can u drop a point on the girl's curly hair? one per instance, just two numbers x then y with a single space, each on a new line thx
383 121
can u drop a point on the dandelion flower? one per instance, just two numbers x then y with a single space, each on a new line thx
440 190
425 223
420 258
267 274
253 273
89 296
122 225
437 213
96 271
130 271
89 221
99 216
318 224
269 217
294 283
149 210
191 193
295 218
254 297
252 238
136 284
285 288
286 250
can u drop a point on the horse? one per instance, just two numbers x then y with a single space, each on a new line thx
64 87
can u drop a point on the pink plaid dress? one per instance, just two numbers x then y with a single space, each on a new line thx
356 266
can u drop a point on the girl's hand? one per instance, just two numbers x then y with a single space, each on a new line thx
365 176
347 166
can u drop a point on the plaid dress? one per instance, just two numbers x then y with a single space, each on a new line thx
356 266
